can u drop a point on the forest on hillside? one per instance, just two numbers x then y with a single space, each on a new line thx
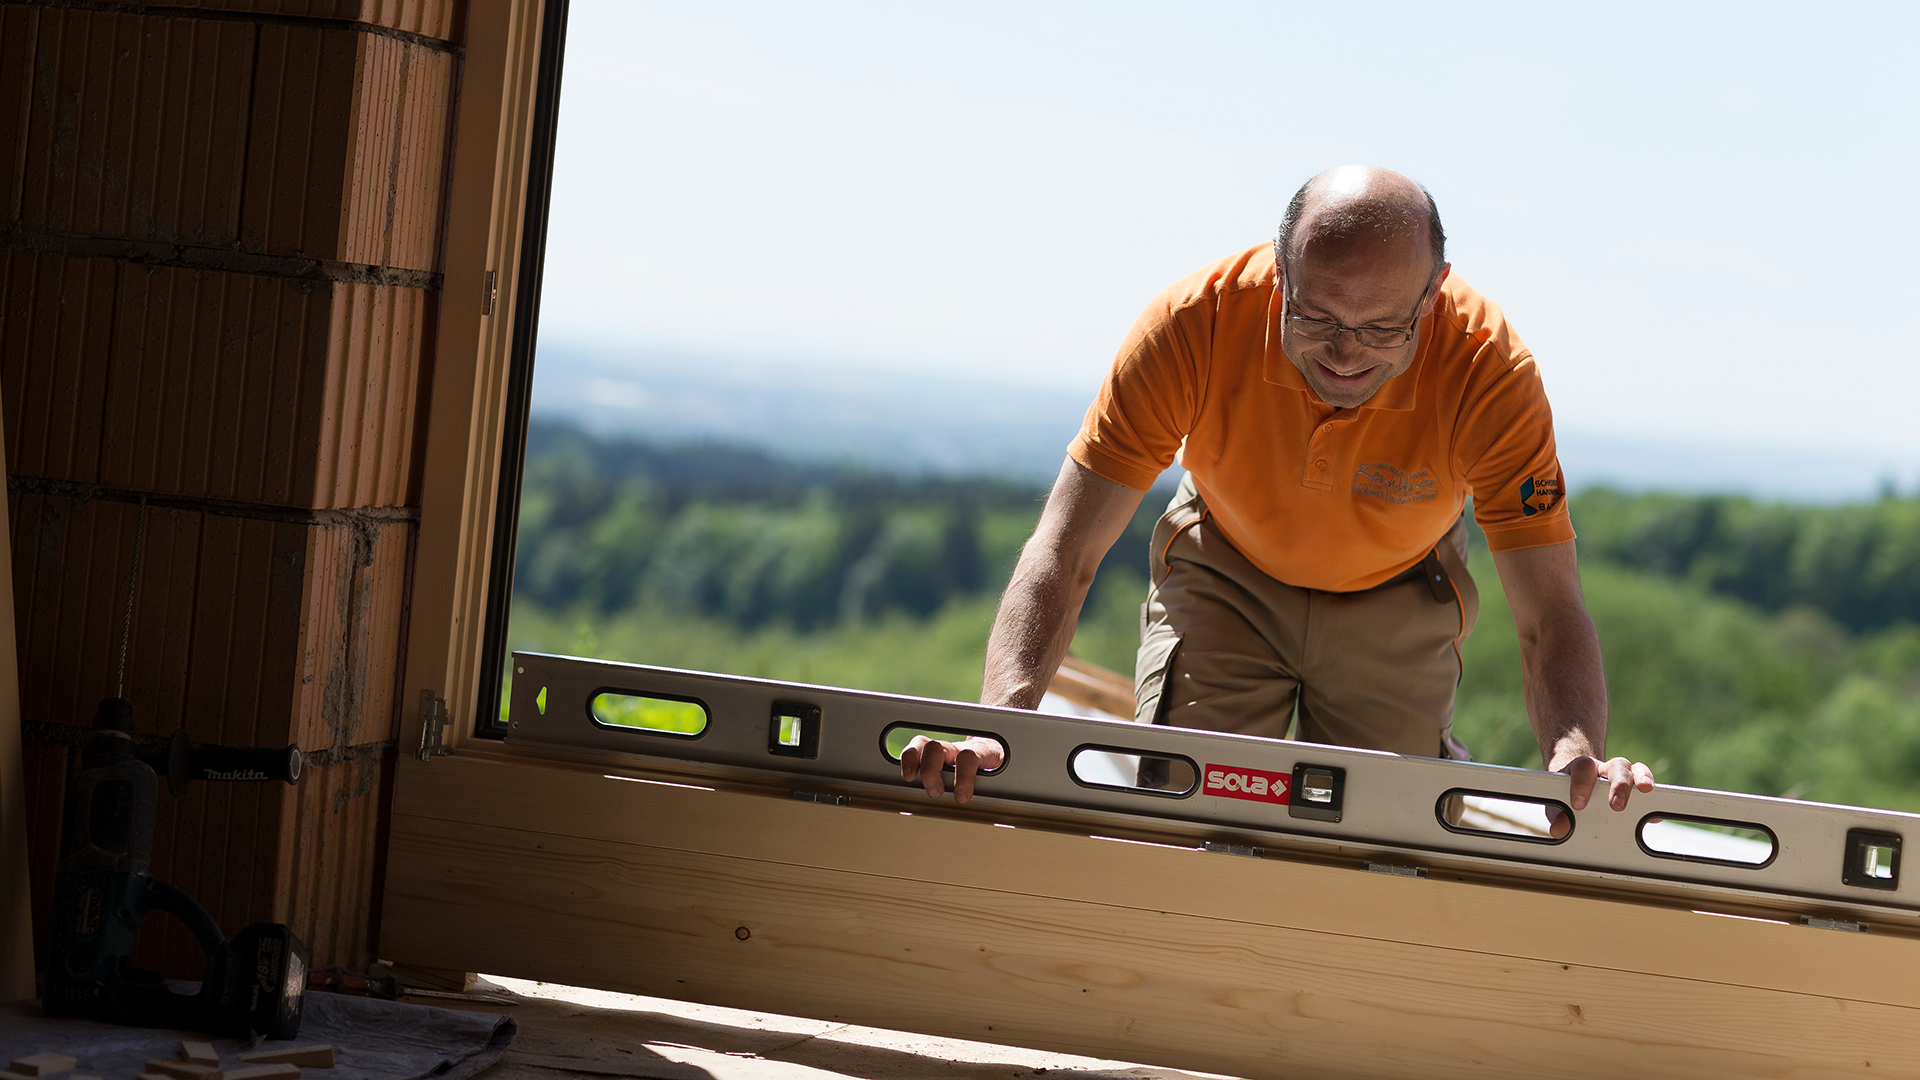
1760 647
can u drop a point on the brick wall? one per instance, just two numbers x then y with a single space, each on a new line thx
220 244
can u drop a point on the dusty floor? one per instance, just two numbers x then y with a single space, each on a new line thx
570 1032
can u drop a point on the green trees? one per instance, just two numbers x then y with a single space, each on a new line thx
1750 647
1754 647
1859 564
743 537
752 540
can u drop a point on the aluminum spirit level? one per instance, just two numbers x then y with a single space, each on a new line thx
1839 866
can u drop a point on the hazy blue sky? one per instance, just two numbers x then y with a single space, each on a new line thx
1704 218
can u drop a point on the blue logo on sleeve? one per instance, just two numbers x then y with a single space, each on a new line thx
1538 494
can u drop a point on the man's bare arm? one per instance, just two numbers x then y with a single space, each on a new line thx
1565 683
1085 514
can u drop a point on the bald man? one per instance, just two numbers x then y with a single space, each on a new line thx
1335 397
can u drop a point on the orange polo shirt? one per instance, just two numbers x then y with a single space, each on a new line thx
1319 497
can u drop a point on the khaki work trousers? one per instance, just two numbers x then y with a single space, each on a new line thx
1224 647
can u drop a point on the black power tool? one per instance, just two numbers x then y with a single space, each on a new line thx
102 893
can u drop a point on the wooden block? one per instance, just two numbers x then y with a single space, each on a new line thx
200 1053
184 1070
43 1064
266 1072
1260 968
316 1055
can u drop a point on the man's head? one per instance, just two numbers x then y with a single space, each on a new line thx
1359 247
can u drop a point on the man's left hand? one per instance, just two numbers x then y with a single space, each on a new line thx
1622 776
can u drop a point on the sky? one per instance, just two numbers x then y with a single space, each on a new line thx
1701 217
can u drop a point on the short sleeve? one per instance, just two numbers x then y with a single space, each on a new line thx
1505 449
1150 397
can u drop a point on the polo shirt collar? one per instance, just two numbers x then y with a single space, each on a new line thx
1397 396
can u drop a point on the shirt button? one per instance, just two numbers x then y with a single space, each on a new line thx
1326 428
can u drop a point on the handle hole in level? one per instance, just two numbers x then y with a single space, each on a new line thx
1706 840
655 714
894 740
1117 768
1507 817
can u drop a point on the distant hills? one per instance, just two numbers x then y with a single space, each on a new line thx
940 424
812 412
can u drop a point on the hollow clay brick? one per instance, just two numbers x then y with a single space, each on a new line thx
55 332
437 19
141 133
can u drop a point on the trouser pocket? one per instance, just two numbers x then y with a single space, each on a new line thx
1151 669
1183 510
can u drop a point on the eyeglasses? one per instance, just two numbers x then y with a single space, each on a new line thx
1373 337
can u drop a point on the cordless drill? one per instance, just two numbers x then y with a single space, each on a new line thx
103 892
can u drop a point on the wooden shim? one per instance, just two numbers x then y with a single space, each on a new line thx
316 1055
44 1064
200 1053
280 1071
1108 980
184 1070
1647 938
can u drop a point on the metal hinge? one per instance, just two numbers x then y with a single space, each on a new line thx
1846 925
492 292
1395 869
433 727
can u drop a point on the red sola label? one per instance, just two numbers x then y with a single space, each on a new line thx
1240 782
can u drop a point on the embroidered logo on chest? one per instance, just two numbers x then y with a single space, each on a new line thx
1382 481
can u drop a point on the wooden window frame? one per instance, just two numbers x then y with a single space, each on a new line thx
487 313
899 912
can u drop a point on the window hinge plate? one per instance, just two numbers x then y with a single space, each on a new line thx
433 727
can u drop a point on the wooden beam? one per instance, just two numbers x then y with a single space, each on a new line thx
16 897
1040 937
1095 687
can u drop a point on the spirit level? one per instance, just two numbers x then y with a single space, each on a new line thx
1243 793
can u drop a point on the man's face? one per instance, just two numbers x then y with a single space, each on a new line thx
1367 283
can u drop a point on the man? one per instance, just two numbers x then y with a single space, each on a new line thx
1335 397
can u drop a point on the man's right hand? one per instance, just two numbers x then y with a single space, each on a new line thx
924 759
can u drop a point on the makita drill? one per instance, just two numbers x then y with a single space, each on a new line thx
102 893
